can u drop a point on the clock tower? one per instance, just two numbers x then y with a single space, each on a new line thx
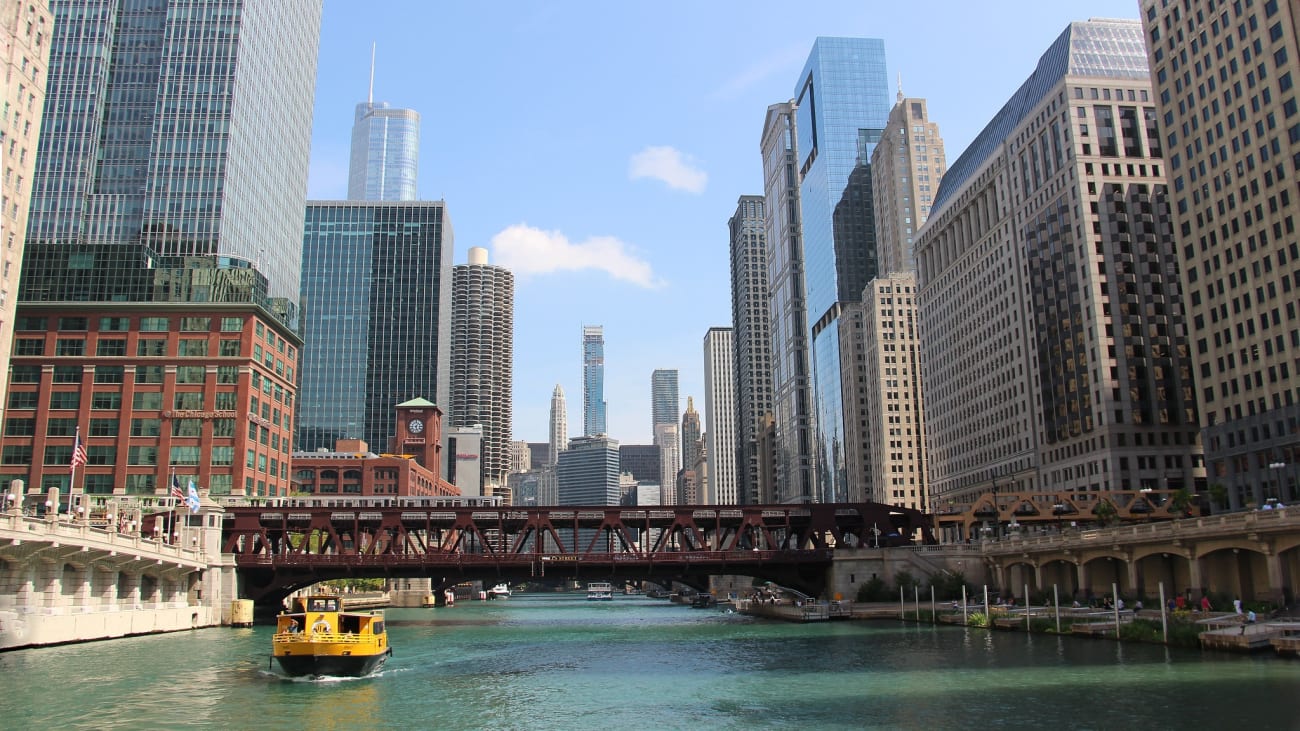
418 432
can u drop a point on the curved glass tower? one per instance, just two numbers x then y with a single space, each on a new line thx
593 380
385 153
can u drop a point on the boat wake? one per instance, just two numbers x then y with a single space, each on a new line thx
328 678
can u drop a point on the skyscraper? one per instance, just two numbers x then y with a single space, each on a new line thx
794 464
25 49
1239 243
842 103
482 361
559 426
377 278
593 380
184 127
385 158
664 401
670 460
905 171
752 336
720 416
691 443
1055 348
588 472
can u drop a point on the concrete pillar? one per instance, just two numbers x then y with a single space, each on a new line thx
1038 576
1134 577
1276 582
1083 583
1195 578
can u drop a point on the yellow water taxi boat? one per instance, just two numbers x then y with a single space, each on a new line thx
318 638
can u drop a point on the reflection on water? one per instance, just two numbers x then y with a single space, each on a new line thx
542 662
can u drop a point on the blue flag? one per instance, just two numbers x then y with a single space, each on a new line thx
192 498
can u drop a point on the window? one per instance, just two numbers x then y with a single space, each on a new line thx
151 346
146 427
185 456
70 346
188 401
25 374
146 400
190 374
16 454
20 427
229 348
30 323
223 456
114 324
103 427
192 347
153 324
232 324
224 428
106 400
73 323
65 400
108 374
148 374
227 374
67 374
110 348
60 427
101 455
22 399
196 324
139 484
226 401
29 346
144 454
187 427
58 454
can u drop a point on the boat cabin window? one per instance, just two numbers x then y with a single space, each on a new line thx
349 624
323 605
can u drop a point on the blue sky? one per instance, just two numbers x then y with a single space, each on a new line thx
597 149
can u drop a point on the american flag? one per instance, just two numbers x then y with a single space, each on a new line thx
78 453
177 492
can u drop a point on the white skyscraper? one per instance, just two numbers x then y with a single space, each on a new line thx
720 416
670 460
559 426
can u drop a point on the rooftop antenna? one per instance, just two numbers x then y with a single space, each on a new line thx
370 98
900 80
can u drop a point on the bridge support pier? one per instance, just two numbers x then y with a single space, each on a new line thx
1276 579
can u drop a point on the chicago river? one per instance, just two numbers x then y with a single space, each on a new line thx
558 661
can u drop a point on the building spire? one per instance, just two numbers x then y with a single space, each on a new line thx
370 97
900 86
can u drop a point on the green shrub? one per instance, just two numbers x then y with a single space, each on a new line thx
874 590
948 585
977 619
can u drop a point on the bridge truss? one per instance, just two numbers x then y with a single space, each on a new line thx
280 547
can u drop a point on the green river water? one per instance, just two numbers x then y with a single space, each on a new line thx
560 662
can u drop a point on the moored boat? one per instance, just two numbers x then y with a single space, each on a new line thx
318 638
500 591
600 591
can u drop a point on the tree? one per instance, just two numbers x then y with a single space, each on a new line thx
1105 513
1219 495
1181 502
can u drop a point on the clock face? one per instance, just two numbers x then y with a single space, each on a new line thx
415 426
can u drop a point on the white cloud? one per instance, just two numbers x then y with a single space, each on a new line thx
670 166
526 250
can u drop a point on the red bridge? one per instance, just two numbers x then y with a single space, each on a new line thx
281 545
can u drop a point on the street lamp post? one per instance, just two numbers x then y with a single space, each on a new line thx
1276 468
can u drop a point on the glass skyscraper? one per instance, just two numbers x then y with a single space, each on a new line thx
385 153
182 126
663 397
593 380
842 103
376 289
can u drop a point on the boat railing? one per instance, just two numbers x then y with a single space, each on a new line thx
339 638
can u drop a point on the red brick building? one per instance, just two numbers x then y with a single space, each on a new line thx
352 469
202 389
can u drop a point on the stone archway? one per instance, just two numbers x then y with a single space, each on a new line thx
1101 573
1064 575
1172 568
1237 573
